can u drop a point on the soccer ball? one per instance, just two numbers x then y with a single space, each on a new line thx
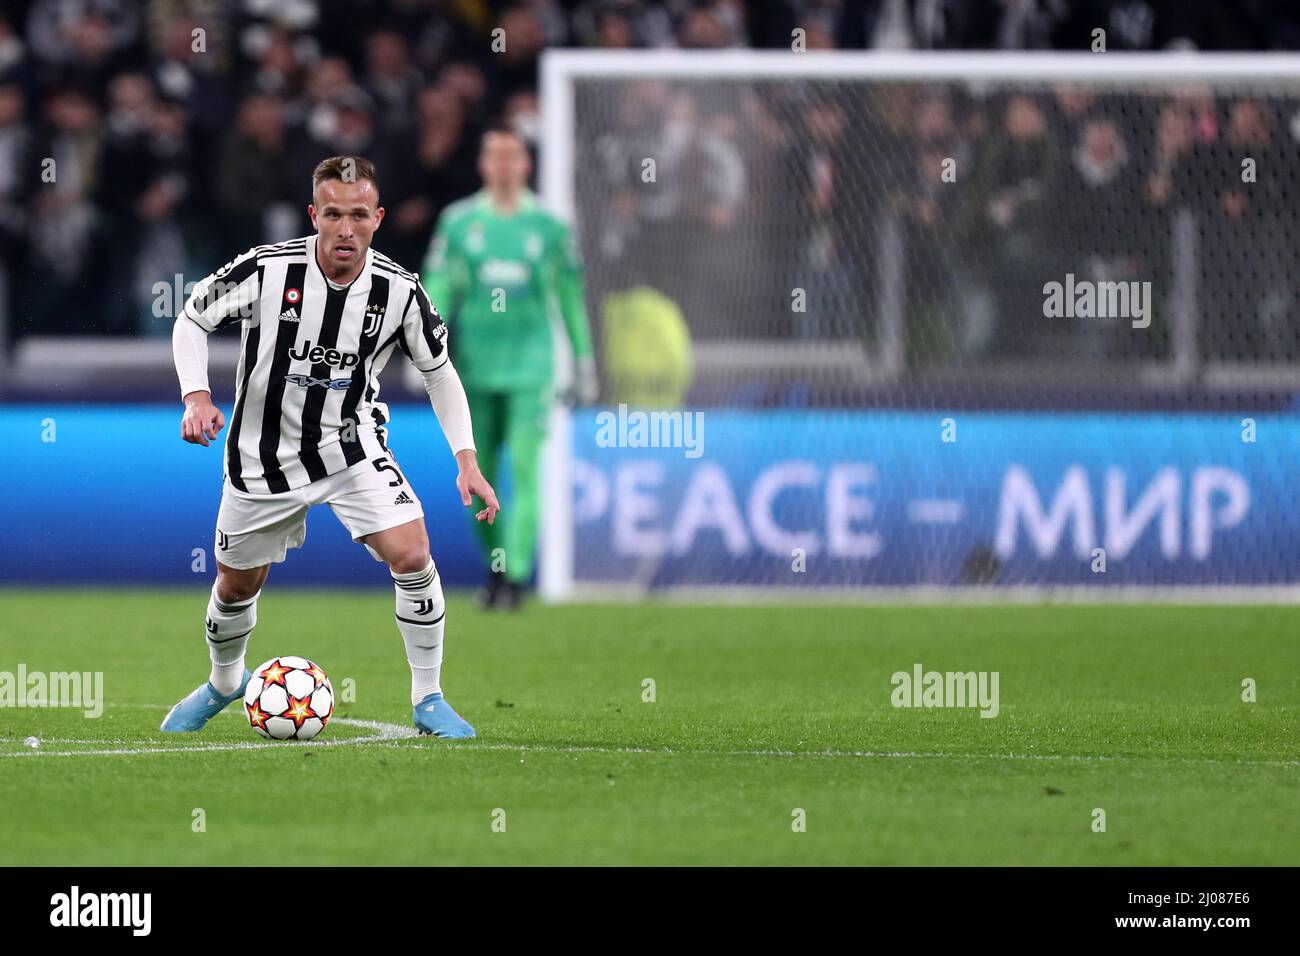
289 698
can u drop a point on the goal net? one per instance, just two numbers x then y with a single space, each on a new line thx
929 321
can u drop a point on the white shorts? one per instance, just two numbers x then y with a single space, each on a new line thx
253 530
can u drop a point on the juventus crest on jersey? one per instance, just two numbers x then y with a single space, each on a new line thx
308 380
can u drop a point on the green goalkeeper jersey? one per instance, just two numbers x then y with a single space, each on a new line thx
496 279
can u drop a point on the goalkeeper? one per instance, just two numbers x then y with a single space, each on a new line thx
497 267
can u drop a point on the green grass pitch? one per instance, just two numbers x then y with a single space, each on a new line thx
759 712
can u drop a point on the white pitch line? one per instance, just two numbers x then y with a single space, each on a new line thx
71 740
384 732
867 754
390 738
387 735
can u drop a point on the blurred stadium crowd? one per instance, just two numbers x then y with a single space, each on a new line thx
770 187
172 147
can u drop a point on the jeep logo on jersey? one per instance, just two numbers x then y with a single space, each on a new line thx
505 272
322 354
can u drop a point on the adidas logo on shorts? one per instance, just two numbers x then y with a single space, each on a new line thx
404 499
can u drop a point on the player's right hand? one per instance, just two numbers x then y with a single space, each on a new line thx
202 420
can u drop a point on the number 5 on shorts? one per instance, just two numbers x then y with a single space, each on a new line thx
383 464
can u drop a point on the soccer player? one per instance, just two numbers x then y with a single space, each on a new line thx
320 318
497 265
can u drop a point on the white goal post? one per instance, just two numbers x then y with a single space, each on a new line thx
562 182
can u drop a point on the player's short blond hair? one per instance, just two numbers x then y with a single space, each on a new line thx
348 169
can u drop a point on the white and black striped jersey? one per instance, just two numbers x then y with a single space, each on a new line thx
308 380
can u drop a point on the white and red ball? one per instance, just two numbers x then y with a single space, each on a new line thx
289 698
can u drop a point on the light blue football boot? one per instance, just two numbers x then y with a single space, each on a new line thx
200 707
433 715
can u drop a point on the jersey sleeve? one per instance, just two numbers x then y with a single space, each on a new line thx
227 296
424 336
443 274
566 272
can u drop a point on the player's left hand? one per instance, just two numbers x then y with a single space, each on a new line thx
470 481
586 385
